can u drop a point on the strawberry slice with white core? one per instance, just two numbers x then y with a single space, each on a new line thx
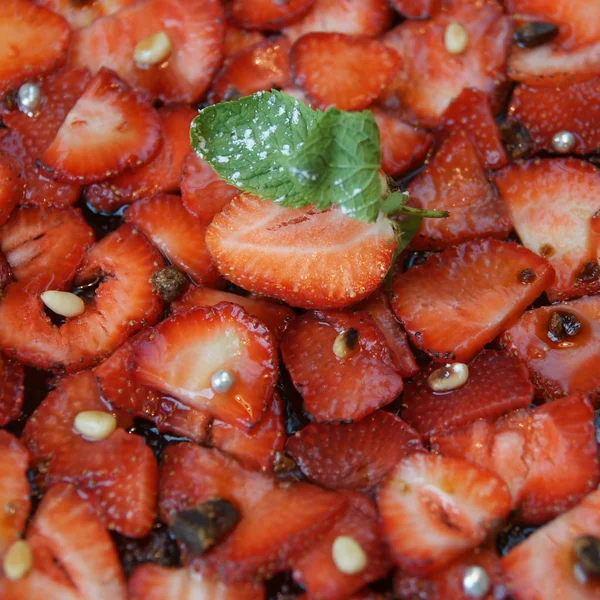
109 129
267 14
82 13
435 508
218 359
300 255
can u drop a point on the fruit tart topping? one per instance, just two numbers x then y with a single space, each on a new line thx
169 283
534 33
449 377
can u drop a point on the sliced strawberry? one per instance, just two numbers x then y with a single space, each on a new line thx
264 66
268 249
461 299
195 29
336 69
277 522
254 448
176 233
238 39
355 456
551 203
564 363
472 112
203 192
46 244
546 566
14 490
116 378
416 9
532 450
379 309
500 378
267 14
109 129
455 181
431 77
81 13
161 174
34 42
11 186
343 385
186 350
66 527
403 147
152 582
118 473
6 274
123 263
319 575
11 389
354 17
435 508
277 317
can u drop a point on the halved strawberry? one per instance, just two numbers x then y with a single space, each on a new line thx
118 386
431 77
336 69
546 565
277 317
346 384
255 448
238 39
195 29
34 42
267 14
278 521
560 363
355 456
81 13
354 17
11 389
14 490
109 129
500 378
403 147
46 244
203 192
379 309
316 570
532 450
472 112
153 582
176 233
123 263
118 473
416 9
551 203
11 186
160 174
461 299
268 248
263 66
435 508
455 181
186 350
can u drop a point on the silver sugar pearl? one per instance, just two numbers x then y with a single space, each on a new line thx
476 582
563 142
29 97
222 381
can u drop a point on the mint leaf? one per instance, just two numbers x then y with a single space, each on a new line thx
274 146
394 202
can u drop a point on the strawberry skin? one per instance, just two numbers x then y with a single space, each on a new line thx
434 509
544 565
34 42
109 129
492 281
278 521
355 456
416 9
340 70
185 351
267 14
268 249
500 378
551 203
238 39
11 389
336 388
11 186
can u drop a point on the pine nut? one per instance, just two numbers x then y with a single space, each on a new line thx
153 50
345 343
18 560
63 303
348 556
449 377
456 38
95 424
